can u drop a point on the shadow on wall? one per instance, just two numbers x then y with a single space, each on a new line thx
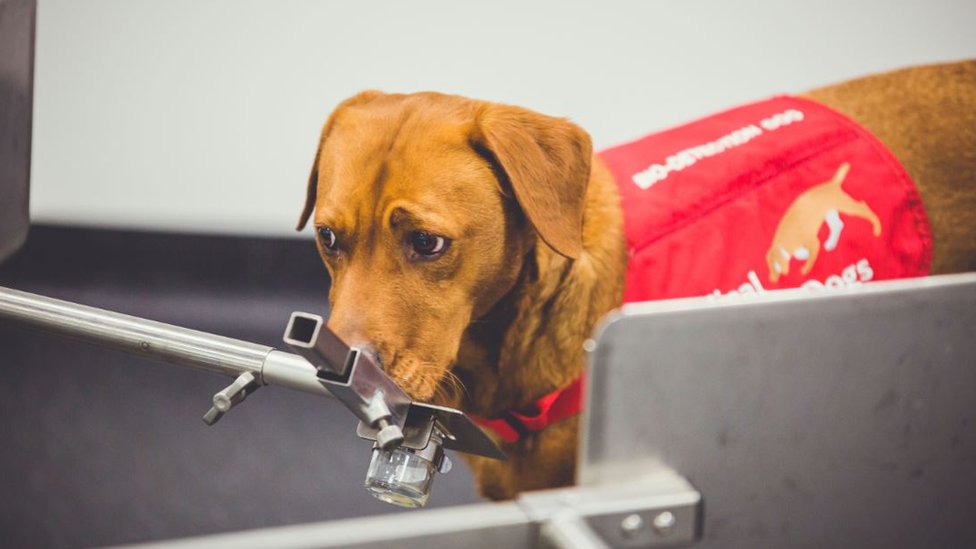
104 448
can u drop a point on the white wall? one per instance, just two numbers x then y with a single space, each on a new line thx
202 115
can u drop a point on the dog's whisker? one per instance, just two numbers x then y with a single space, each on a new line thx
427 377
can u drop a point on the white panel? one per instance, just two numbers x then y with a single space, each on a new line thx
202 115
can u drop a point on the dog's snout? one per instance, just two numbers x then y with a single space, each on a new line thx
357 331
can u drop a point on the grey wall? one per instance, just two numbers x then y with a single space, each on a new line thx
102 448
202 115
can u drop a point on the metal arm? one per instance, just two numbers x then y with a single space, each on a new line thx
331 369
173 344
251 364
157 340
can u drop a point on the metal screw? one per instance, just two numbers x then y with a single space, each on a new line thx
589 345
664 523
632 525
389 435
446 465
222 402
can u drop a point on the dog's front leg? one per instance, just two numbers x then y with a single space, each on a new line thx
546 459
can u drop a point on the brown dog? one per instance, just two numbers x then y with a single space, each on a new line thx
474 246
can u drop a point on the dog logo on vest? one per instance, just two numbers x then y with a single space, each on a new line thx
796 234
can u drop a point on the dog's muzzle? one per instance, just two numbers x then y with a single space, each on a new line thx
409 438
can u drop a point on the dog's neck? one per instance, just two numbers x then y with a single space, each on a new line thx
531 342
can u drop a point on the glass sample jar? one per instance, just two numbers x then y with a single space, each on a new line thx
403 476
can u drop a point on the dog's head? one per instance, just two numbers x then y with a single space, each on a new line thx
425 208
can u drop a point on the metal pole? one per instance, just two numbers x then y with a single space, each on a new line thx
157 340
138 336
567 530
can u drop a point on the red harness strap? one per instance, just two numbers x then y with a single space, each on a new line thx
551 408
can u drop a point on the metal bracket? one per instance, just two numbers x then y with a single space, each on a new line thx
386 413
657 510
459 432
231 396
354 377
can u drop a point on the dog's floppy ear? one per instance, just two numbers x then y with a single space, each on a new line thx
547 163
313 177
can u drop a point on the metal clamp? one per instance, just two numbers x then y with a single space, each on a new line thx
231 396
385 411
457 431
352 376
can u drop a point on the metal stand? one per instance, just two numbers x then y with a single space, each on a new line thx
332 369
660 509
779 409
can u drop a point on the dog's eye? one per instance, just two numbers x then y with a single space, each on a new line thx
427 245
327 238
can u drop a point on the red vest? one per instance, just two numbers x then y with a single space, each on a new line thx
782 193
